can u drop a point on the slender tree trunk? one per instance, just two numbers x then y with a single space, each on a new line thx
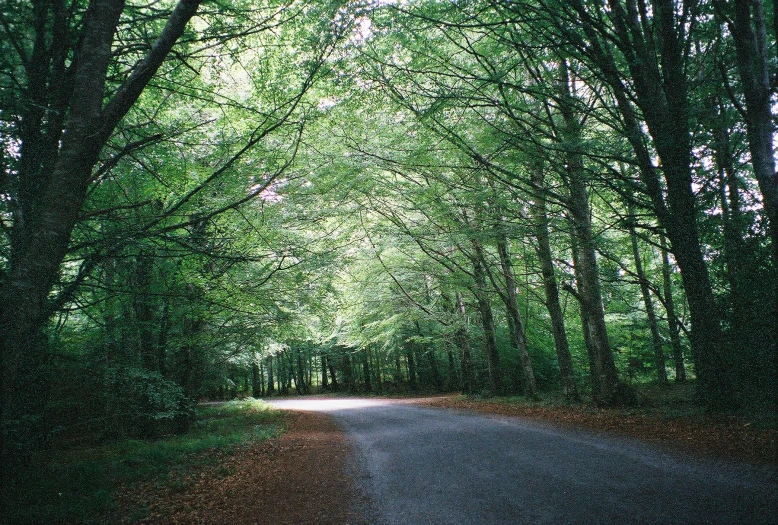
551 289
672 320
591 353
660 90
324 382
462 338
412 376
366 369
756 64
487 320
162 338
256 390
144 312
271 382
348 373
261 377
610 389
656 339
515 324
451 377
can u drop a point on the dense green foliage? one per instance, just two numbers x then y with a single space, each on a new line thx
490 197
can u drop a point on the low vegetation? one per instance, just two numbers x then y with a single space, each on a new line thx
80 485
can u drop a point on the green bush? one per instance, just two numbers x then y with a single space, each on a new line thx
144 404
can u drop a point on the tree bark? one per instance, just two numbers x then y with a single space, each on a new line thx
366 369
333 374
607 388
487 320
652 39
756 66
324 381
551 289
413 383
515 324
41 239
271 382
656 339
462 338
672 320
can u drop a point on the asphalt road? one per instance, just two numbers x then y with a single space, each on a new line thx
422 465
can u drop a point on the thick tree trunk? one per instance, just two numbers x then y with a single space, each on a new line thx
40 240
300 383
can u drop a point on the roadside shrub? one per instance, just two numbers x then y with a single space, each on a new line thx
144 404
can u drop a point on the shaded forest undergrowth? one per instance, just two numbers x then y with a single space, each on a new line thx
243 461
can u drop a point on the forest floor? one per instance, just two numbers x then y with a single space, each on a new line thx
299 478
304 476
719 437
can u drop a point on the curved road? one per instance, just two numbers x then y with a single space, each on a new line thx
431 466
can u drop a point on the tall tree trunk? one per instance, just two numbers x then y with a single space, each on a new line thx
487 320
654 46
40 240
609 386
271 382
656 339
412 375
591 352
515 324
610 390
462 338
302 387
256 390
366 369
672 320
551 289
144 311
451 376
348 373
333 373
324 382
756 64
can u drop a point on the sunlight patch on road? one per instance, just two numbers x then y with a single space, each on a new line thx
327 405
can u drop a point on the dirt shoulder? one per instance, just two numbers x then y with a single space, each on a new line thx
303 477
297 479
727 438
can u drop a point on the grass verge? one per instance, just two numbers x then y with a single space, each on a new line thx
80 485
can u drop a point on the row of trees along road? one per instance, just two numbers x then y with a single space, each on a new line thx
203 201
